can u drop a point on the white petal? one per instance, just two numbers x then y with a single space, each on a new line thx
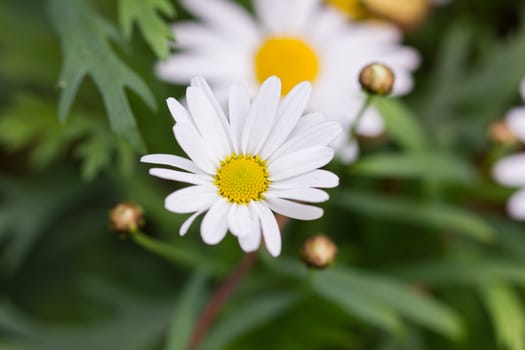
307 121
251 242
516 205
316 178
290 16
225 16
190 199
174 175
239 106
270 229
178 112
203 85
294 210
516 122
241 220
299 162
321 134
288 115
195 147
348 152
510 171
372 123
261 117
215 223
171 160
312 195
208 122
187 223
221 65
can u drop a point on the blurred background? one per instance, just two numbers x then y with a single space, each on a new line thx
427 256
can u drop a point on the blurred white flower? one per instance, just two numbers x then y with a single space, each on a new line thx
510 171
263 157
296 40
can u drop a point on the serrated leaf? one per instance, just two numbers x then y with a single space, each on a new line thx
401 123
147 15
431 215
84 37
506 310
186 312
246 316
32 126
424 165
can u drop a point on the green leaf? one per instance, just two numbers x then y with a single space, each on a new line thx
245 316
186 311
357 302
363 294
476 273
84 37
425 165
506 310
431 215
147 15
401 123
179 254
33 127
29 208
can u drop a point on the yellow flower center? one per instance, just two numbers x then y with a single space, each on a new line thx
352 8
292 60
242 178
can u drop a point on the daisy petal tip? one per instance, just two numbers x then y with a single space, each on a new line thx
274 251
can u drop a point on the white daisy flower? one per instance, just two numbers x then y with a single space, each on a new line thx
263 157
296 40
510 171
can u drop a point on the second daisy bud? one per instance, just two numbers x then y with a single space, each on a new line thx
126 217
377 79
319 251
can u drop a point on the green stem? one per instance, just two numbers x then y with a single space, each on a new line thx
360 114
178 255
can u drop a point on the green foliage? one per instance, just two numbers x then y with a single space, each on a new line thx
34 127
85 38
427 258
186 312
146 14
505 308
428 214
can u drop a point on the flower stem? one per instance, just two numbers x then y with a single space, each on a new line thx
223 293
219 298
360 114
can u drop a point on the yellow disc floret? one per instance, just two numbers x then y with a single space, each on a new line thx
291 59
242 178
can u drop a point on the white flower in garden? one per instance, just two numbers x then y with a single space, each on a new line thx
263 157
295 40
510 170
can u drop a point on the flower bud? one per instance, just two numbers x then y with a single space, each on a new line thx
377 79
319 251
407 13
500 132
126 217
